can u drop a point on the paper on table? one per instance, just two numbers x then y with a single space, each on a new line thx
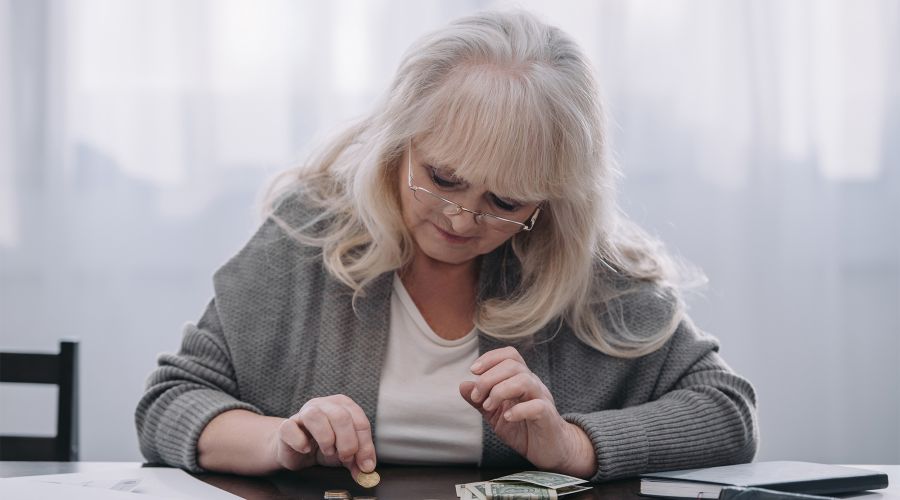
156 481
127 484
37 490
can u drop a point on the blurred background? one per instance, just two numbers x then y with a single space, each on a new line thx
759 139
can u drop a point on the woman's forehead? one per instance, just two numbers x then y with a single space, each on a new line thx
499 131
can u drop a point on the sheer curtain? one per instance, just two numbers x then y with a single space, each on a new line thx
758 139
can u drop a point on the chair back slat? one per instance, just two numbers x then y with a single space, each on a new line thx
30 448
54 369
29 368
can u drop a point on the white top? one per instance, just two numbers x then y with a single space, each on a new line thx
421 418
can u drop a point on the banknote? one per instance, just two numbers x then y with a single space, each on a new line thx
526 485
463 491
509 491
540 478
568 490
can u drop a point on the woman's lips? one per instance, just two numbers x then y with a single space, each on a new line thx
452 238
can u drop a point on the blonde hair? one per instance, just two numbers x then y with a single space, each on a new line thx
512 104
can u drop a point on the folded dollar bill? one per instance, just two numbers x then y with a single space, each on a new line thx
545 479
524 485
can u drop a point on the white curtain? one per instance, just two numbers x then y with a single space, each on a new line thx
759 139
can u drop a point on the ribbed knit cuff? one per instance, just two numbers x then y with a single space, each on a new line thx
184 421
620 442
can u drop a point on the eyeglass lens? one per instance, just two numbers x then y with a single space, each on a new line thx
450 209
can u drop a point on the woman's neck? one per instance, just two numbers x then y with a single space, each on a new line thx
445 294
428 273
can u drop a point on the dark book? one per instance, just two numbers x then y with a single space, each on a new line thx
794 477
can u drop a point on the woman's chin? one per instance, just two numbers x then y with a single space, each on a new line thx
444 253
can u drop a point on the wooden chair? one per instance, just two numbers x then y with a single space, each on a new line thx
56 369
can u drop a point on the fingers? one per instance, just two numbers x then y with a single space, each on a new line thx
292 436
344 430
294 446
365 459
535 411
338 427
514 380
519 387
465 390
491 358
317 420
497 373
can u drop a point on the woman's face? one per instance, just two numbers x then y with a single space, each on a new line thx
452 239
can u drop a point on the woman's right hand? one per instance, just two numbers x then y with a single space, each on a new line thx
332 431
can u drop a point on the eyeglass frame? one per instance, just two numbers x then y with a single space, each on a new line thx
459 208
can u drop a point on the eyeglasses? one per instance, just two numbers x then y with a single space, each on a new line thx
450 208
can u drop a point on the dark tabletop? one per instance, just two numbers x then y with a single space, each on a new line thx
397 482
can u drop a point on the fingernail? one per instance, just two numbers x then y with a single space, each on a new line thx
305 449
487 404
507 415
368 465
476 396
475 367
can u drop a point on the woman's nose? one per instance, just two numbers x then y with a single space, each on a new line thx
463 223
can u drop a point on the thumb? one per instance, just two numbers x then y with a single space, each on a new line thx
465 390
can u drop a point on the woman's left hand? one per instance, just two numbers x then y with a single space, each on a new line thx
522 413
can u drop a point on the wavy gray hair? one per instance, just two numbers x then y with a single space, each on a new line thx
512 104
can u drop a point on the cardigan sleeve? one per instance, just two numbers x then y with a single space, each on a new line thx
701 414
185 392
188 389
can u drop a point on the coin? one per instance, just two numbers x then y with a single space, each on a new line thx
337 494
368 480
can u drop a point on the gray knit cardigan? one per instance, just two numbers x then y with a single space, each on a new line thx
280 330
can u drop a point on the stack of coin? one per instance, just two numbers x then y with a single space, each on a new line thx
364 479
344 495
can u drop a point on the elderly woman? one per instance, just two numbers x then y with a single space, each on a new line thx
450 281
